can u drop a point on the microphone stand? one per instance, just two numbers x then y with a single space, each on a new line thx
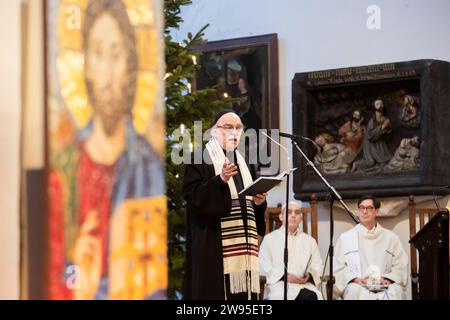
333 195
286 230
286 217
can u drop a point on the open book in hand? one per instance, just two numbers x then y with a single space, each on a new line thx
263 184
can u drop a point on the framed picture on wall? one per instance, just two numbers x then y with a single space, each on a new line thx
378 129
106 213
245 69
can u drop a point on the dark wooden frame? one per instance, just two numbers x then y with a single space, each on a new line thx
270 42
34 217
432 81
233 47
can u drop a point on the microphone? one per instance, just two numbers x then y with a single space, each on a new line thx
281 146
294 137
287 135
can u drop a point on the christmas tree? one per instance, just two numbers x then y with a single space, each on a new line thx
183 107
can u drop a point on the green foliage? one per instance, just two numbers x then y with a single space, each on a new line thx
182 107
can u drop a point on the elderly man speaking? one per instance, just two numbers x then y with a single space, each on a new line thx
223 226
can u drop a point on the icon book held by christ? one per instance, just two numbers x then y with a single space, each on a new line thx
262 185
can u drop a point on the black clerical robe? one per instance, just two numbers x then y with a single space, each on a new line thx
208 199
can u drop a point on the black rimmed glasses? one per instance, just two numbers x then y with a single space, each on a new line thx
230 128
368 208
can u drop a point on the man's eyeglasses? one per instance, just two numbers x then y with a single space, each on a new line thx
229 128
368 208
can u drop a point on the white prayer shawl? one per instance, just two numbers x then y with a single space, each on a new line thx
359 251
218 157
271 260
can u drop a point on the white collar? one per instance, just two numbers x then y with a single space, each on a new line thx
364 230
297 232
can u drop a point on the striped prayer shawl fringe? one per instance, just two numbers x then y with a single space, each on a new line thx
240 250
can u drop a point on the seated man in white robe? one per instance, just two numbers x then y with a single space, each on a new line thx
370 262
304 261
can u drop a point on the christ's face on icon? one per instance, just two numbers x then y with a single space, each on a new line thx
106 71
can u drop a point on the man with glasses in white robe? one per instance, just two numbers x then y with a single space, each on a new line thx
370 262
